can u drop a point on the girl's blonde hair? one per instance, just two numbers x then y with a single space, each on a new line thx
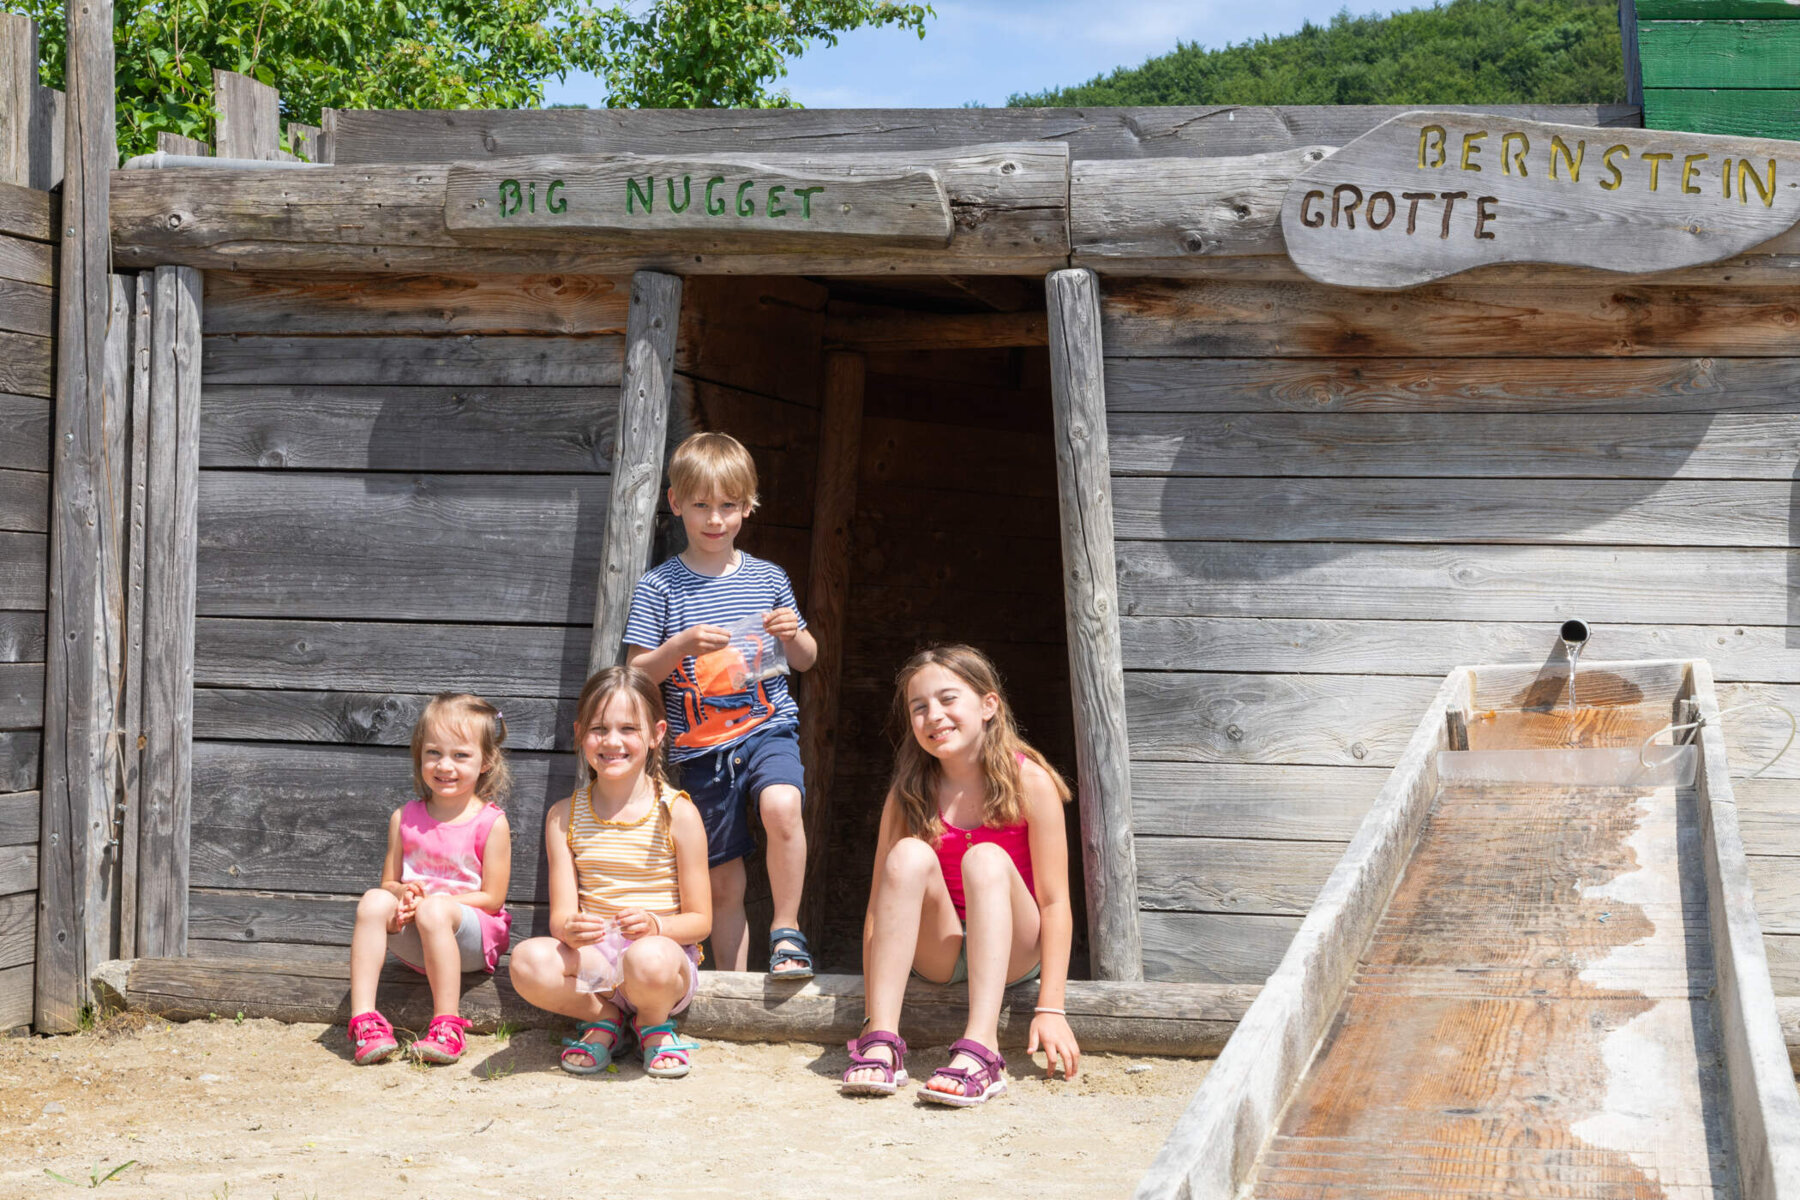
916 773
603 686
708 464
473 715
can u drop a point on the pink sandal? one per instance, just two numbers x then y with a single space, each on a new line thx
371 1038
979 1084
443 1041
861 1060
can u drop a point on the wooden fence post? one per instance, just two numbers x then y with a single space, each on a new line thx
82 643
249 117
644 391
1091 601
827 592
171 530
131 720
31 114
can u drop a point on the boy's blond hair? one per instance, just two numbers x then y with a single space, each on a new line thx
708 464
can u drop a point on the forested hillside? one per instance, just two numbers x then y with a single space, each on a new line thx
1463 52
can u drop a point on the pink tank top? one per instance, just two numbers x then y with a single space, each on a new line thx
954 842
446 860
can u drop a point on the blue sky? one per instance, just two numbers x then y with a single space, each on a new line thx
985 50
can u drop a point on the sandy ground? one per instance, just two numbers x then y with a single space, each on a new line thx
258 1110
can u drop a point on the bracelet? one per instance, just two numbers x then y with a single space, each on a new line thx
658 921
1061 1012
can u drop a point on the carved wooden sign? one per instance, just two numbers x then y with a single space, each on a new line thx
796 199
1428 194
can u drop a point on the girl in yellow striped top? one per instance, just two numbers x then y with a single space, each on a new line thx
627 853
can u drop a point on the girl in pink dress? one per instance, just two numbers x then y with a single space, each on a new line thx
441 904
971 881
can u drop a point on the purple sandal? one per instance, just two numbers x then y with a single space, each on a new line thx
979 1084
862 1060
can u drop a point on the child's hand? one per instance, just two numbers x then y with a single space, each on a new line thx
635 923
704 639
783 623
1051 1032
583 929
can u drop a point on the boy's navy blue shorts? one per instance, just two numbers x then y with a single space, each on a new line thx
725 784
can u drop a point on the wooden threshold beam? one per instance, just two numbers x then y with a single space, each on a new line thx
893 330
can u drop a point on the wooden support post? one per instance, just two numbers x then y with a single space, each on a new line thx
644 392
31 136
171 529
1628 39
249 117
1091 602
827 591
131 719
174 143
74 909
304 141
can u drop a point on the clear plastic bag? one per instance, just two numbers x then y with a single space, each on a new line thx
752 654
599 968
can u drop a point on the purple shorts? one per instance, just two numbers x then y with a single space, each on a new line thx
623 1003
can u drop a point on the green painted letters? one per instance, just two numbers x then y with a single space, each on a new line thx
644 195
745 206
806 194
687 193
552 201
775 191
510 195
712 183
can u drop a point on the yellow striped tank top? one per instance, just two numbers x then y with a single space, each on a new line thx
625 864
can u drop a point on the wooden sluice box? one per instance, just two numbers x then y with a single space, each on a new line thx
1536 972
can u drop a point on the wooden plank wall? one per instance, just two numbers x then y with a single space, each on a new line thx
1719 66
27 307
955 538
403 490
1325 499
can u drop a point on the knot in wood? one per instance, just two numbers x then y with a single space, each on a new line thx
1358 750
1193 242
174 223
1234 733
1009 168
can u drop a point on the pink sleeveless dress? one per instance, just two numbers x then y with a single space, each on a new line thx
446 860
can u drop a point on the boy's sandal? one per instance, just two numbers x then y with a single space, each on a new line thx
979 1084
371 1038
599 1055
802 954
443 1041
677 1048
893 1071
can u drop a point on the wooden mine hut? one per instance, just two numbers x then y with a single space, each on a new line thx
318 431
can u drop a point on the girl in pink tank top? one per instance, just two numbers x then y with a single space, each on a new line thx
971 881
441 904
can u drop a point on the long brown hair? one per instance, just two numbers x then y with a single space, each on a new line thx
471 714
603 686
916 773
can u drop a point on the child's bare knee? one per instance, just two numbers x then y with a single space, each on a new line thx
654 963
910 858
535 963
780 806
377 902
987 866
438 912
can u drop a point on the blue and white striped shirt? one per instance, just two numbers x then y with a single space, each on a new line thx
672 598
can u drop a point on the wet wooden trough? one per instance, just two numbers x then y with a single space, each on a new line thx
1517 989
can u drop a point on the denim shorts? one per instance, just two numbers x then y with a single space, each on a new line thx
724 786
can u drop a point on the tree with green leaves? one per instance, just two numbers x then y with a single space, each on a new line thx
1460 52
453 53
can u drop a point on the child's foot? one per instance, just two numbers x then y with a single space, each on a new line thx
443 1041
665 1055
371 1038
877 1065
789 954
973 1075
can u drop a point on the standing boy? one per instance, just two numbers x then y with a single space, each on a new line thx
737 751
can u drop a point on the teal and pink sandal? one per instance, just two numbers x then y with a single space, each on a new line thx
599 1055
677 1048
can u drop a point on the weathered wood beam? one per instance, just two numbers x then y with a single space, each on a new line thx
856 327
1182 1019
1009 205
175 143
1162 133
306 142
31 115
644 392
131 720
1091 603
83 635
171 530
827 594
249 117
